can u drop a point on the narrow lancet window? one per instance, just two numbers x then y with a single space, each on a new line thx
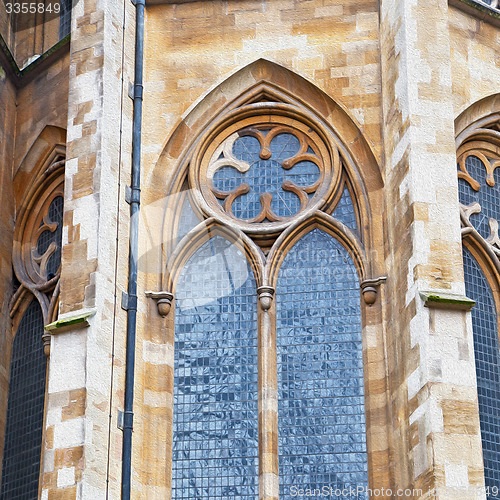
215 427
321 412
487 355
24 427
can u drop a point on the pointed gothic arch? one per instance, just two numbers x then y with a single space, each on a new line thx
255 106
478 157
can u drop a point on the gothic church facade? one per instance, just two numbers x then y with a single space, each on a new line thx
318 273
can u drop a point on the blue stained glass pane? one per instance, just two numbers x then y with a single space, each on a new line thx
65 18
344 211
24 426
187 221
54 216
487 353
487 196
215 428
321 415
266 176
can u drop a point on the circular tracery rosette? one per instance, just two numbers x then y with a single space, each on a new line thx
263 166
37 254
479 187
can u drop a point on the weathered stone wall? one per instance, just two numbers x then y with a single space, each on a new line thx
5 26
407 111
475 63
25 114
400 73
41 102
83 443
7 124
192 47
431 368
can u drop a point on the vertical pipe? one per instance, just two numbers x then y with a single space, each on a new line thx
134 200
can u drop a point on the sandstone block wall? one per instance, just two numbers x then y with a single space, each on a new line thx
399 74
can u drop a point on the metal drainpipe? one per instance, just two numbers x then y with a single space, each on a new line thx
130 299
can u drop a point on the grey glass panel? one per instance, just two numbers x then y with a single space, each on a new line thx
321 415
344 211
187 221
487 196
215 429
24 427
487 354
266 176
54 216
65 18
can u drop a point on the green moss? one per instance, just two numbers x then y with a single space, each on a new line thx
447 300
15 68
482 8
66 323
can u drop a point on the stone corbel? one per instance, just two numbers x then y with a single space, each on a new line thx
369 289
163 301
46 343
266 294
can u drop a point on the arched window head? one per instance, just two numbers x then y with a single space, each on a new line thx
265 242
264 166
38 237
479 185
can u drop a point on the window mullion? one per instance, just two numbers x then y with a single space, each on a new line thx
268 395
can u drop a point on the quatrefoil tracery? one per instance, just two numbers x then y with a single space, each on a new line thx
277 165
264 165
479 192
46 252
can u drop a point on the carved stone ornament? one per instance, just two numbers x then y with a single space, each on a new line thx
479 187
163 301
265 294
369 288
264 166
38 242
37 249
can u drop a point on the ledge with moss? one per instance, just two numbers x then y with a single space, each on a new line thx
443 300
70 321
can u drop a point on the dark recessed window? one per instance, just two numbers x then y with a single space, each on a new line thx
487 353
24 427
65 17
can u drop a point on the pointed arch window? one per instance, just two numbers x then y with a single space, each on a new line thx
215 426
37 263
268 268
479 195
23 430
321 410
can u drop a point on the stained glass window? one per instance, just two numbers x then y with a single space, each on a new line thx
187 220
266 176
52 235
215 427
344 211
321 414
65 18
24 427
487 354
487 196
